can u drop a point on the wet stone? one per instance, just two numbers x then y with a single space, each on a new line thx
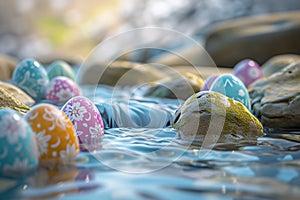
217 118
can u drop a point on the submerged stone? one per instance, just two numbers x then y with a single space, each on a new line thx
217 118
178 87
276 99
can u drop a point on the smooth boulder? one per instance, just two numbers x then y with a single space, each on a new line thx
121 73
7 67
211 116
258 38
175 87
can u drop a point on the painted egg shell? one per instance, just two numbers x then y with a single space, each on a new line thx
87 121
55 134
232 87
209 81
32 78
248 71
18 147
61 89
60 68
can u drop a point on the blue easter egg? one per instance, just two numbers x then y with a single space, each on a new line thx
32 78
232 87
18 147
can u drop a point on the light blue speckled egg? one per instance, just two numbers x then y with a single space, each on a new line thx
32 78
232 87
18 147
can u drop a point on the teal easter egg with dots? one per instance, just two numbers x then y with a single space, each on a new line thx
18 147
60 68
32 78
232 87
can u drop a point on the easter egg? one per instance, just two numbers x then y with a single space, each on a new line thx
209 81
247 71
60 68
18 147
61 89
32 78
54 132
87 121
232 87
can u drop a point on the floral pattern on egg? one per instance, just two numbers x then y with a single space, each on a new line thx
55 133
61 89
86 119
18 147
32 78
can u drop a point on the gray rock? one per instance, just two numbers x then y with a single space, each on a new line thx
259 38
276 99
279 62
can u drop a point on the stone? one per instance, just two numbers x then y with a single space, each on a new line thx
211 116
279 62
121 73
275 99
17 93
7 67
258 38
9 101
175 87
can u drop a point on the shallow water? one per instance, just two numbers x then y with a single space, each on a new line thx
140 163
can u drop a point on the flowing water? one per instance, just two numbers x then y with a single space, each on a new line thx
149 163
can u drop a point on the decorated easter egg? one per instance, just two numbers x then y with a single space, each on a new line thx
32 78
247 71
18 147
55 134
232 87
87 121
61 89
209 81
60 68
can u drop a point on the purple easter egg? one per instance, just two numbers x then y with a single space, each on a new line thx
87 122
209 81
61 89
247 71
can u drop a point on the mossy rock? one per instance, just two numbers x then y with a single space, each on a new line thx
212 116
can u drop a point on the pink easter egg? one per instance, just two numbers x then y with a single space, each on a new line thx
209 81
87 121
61 89
247 71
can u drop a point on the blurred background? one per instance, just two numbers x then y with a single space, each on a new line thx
72 28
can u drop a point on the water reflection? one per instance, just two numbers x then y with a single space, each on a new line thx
268 169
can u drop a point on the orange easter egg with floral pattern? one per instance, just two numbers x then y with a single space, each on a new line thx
55 134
